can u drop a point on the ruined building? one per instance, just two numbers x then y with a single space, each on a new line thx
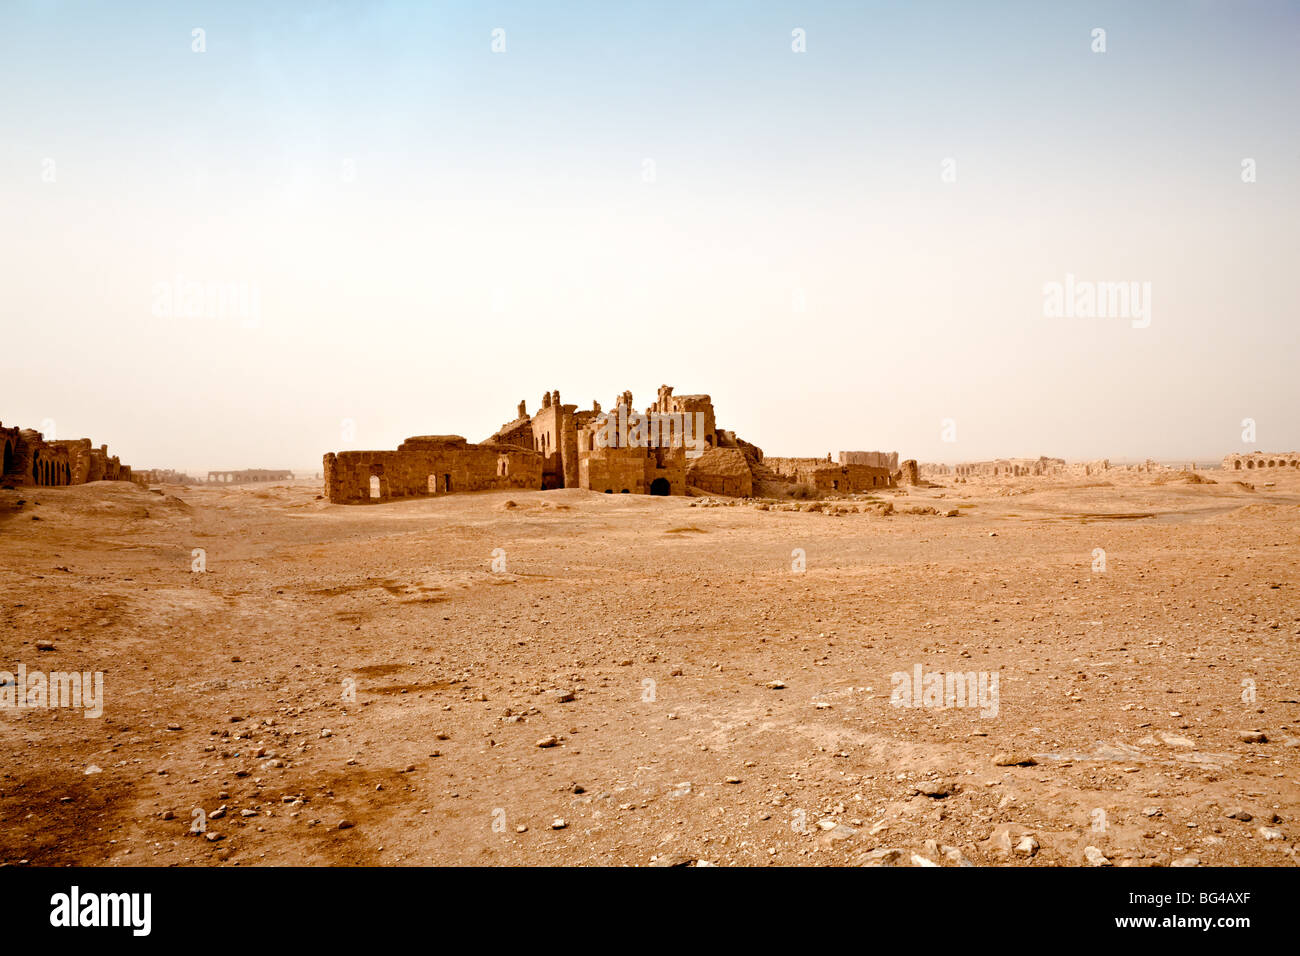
855 472
247 475
675 444
1261 459
29 459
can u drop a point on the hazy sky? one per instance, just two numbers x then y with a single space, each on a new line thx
643 193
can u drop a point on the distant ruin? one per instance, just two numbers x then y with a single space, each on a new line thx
163 476
247 475
673 446
28 459
1261 459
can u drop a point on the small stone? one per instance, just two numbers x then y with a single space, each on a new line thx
885 856
1027 846
45 645
1270 833
558 823
1095 857
1014 760
346 824
548 741
563 696
1239 814
213 837
776 685
1254 737
918 860
1186 861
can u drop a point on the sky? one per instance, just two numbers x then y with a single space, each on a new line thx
312 227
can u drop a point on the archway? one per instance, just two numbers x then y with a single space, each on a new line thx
375 490
660 486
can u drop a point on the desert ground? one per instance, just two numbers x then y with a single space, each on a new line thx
654 681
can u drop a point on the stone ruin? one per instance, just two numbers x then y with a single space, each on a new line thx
248 475
30 460
163 476
563 447
1261 459
855 471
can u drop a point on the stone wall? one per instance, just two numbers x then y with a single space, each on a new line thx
246 475
1257 460
29 460
1010 467
428 465
721 471
826 475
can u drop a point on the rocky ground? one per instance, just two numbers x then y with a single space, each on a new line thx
574 678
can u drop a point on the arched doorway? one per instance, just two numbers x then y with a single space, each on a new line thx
660 486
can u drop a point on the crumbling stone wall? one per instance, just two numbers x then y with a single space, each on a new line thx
829 476
28 459
426 466
721 471
1260 459
245 475
1011 467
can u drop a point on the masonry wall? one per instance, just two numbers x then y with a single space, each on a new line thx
29 460
426 466
1261 460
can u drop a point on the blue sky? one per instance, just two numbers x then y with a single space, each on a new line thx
435 231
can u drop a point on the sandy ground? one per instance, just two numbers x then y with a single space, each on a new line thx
673 626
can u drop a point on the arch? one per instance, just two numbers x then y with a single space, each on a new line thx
661 486
609 491
1237 464
376 487
625 492
1250 463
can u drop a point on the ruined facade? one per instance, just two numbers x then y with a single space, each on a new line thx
426 466
1261 459
670 448
1010 467
850 475
30 460
247 475
163 476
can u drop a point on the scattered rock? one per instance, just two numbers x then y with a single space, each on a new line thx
1014 760
1095 857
